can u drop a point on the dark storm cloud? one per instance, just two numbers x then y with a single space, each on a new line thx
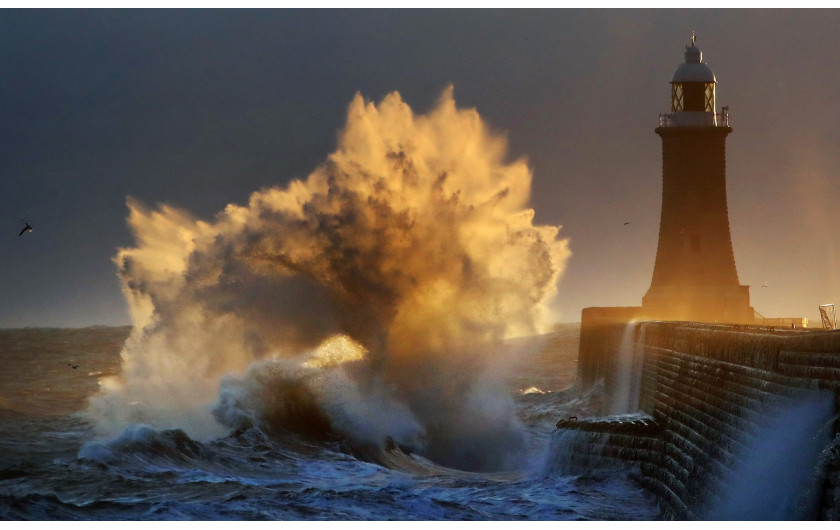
196 108
199 108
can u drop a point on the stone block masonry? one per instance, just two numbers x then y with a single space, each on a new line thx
713 393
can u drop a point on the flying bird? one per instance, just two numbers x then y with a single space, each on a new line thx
73 366
627 223
27 228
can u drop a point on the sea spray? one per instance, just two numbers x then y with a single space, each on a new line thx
53 468
413 240
628 372
573 452
773 477
315 399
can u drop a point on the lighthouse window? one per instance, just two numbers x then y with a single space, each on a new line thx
694 97
710 97
676 97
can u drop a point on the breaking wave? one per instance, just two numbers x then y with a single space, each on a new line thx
366 301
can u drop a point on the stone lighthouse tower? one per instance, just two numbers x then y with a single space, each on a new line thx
694 277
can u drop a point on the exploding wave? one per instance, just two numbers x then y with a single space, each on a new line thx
365 301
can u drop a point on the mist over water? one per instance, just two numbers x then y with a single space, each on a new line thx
366 300
776 476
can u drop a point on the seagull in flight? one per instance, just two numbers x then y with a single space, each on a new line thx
27 228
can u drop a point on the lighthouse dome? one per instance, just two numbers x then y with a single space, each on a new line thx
693 70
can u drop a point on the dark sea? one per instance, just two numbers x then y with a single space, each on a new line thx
54 467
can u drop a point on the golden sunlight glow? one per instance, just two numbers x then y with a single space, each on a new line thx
336 350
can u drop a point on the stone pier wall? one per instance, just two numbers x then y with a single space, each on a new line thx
601 330
708 388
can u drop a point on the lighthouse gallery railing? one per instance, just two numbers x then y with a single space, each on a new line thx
717 119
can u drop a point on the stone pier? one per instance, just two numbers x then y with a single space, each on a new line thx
706 390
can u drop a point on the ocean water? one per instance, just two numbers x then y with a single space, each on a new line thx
53 465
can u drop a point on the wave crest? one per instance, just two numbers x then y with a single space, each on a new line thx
413 239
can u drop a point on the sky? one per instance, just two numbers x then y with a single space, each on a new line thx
199 108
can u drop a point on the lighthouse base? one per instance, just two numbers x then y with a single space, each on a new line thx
713 304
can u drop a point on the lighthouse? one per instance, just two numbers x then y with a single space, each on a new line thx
694 275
